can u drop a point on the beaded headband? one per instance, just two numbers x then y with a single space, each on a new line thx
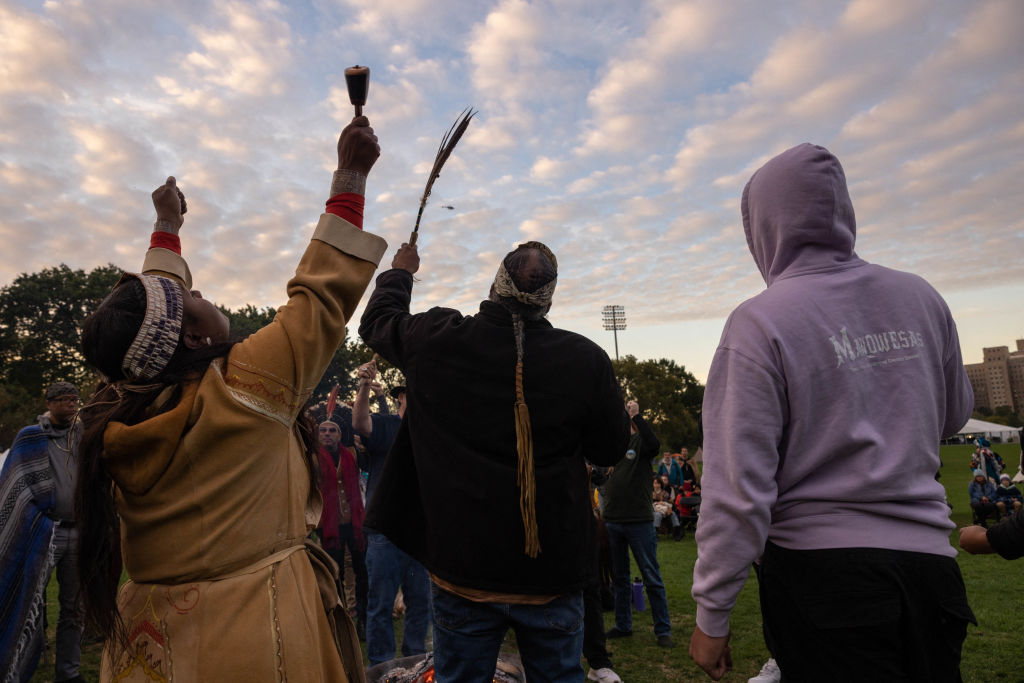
160 332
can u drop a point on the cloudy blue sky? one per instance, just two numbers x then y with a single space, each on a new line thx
620 133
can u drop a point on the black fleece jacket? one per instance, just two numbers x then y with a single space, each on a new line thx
448 494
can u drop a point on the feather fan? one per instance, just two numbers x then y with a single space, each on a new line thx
448 142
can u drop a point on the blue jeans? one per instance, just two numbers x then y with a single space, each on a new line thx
468 635
387 568
642 539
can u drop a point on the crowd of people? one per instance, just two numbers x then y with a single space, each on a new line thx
676 494
991 491
200 467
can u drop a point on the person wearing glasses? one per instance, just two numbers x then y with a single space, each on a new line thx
37 511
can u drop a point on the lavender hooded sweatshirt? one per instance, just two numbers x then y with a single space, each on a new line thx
827 395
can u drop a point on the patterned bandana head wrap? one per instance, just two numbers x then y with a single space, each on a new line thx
504 286
160 332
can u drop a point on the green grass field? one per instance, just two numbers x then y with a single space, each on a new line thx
992 652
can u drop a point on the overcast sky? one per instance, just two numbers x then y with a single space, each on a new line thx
619 133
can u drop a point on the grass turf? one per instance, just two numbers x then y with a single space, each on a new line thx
992 651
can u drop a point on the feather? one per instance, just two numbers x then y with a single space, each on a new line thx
448 142
332 400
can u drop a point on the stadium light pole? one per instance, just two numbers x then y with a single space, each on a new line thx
614 319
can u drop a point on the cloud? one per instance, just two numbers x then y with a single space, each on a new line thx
621 134
31 50
246 52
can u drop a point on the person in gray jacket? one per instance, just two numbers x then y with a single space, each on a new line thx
53 486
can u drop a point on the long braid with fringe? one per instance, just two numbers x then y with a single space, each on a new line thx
534 302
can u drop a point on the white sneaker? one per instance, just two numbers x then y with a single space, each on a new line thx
770 673
605 675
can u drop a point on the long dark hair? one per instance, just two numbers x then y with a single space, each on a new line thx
106 335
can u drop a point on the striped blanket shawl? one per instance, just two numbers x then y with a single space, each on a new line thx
26 552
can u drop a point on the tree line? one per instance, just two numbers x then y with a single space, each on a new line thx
40 325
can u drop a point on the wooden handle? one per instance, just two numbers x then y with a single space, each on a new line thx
357 78
412 239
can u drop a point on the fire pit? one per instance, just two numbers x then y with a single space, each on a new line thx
420 669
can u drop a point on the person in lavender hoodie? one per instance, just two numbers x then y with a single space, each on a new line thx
825 403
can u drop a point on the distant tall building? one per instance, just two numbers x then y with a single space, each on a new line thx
999 379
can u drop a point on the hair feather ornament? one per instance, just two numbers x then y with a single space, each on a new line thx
332 401
448 142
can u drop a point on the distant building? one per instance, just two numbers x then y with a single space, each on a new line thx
999 379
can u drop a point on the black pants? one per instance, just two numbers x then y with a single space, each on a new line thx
856 614
594 643
769 641
347 539
983 511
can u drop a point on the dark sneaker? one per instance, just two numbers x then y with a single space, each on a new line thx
665 641
614 632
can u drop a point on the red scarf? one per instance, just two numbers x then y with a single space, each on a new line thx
329 492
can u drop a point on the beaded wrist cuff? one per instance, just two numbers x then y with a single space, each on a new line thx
348 181
164 225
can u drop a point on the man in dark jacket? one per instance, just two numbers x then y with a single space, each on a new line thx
629 515
486 483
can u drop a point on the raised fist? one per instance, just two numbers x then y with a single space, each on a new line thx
169 203
357 147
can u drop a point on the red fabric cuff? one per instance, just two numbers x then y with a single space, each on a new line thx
347 205
166 240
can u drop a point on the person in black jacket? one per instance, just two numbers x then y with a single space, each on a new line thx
486 483
629 515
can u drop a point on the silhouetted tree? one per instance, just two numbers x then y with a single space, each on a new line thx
669 396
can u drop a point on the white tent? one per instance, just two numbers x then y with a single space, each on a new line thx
988 430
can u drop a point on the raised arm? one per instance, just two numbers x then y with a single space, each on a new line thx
277 368
649 443
386 320
164 255
361 421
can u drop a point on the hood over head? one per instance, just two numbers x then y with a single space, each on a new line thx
797 214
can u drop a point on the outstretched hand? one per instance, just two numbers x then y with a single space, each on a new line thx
407 258
357 147
974 539
169 203
632 408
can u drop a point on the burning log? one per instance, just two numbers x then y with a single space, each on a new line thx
420 669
